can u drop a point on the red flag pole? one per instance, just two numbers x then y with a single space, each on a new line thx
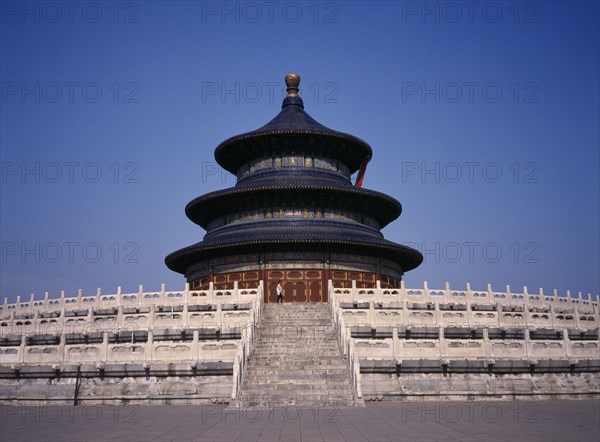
361 172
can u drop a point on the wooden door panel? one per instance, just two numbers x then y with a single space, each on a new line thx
300 291
315 290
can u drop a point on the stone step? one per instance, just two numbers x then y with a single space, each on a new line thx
298 377
298 364
299 314
282 401
292 396
309 321
304 388
287 399
267 341
297 319
301 355
331 352
279 376
287 349
296 380
312 371
306 408
286 323
325 357
295 306
296 359
290 349
316 373
283 328
259 361
314 356
274 366
270 338
321 395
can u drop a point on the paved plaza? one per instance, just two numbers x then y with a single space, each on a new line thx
400 421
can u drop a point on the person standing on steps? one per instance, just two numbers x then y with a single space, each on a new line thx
279 292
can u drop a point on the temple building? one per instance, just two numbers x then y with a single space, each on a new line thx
356 332
294 214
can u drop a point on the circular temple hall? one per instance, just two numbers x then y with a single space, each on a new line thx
294 214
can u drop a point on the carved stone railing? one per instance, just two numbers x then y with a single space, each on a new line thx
380 307
346 345
549 327
209 325
246 346
140 299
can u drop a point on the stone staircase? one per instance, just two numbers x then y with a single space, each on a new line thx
296 360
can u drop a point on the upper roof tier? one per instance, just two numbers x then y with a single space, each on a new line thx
292 122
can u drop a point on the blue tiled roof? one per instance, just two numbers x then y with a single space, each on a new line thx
292 121
203 209
293 117
306 235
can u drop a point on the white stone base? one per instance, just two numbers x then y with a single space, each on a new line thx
436 387
114 391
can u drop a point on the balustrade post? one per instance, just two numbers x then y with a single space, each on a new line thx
104 348
567 344
186 291
236 292
149 353
486 343
443 344
61 351
151 316
219 315
395 344
22 349
210 297
186 316
236 370
120 325
195 346
576 311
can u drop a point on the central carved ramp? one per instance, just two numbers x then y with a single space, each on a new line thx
296 360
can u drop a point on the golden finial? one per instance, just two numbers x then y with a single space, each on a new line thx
292 81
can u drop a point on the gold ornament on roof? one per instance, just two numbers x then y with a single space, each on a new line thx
292 81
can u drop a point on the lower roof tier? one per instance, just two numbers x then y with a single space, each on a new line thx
300 236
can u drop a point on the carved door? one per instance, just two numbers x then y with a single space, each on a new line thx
298 285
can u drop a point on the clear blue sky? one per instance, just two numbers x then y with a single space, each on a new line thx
483 122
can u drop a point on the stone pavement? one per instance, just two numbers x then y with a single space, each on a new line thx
559 420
